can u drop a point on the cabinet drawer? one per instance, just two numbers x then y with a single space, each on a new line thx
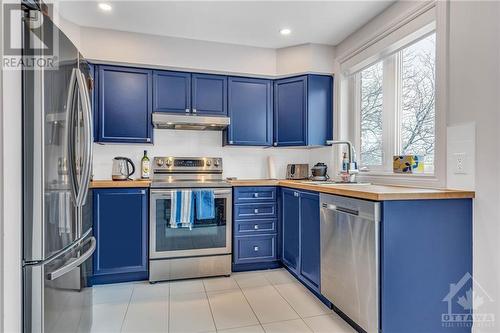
255 210
255 248
254 194
248 227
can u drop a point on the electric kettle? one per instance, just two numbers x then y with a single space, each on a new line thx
121 169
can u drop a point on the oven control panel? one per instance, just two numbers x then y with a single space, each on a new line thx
187 164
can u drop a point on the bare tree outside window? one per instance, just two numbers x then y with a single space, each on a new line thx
371 115
417 115
408 120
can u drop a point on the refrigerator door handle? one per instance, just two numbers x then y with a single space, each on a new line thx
88 139
71 137
72 264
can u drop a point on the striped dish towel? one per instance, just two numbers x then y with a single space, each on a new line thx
182 209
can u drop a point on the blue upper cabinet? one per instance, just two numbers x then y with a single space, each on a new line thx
250 110
209 94
124 104
120 226
171 92
303 110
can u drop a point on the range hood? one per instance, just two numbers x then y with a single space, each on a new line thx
189 122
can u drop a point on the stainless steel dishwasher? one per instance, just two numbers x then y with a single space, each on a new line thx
350 257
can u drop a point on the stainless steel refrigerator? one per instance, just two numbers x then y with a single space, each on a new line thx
57 143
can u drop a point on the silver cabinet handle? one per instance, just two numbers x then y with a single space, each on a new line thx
194 111
256 211
71 161
187 110
256 248
295 194
256 195
343 210
231 142
74 263
275 144
256 227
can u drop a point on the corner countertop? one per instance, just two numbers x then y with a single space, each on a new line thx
369 191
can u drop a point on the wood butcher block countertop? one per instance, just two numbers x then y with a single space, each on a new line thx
119 183
369 192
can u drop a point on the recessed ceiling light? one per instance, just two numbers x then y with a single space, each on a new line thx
285 31
105 7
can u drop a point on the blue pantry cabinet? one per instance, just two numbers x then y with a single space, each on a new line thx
189 93
251 111
255 228
124 104
301 235
120 225
303 110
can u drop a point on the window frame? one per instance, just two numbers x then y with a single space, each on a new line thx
409 24
391 110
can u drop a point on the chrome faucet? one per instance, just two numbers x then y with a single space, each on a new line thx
349 175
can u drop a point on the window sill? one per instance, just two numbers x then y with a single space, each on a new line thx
390 178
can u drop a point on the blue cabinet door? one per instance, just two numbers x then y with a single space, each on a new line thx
171 92
310 238
209 94
290 112
290 228
124 104
250 110
120 227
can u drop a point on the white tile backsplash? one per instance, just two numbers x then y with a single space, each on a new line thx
241 162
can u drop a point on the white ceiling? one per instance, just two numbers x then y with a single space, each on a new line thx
254 23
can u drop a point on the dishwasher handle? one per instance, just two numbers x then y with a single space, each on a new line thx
339 209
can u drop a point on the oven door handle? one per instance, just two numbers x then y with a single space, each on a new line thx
168 193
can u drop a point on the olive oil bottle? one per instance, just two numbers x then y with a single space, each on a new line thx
145 166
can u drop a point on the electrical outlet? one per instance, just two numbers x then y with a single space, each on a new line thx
460 160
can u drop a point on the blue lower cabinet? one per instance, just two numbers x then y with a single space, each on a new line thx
301 235
255 210
426 265
310 251
290 227
255 228
120 226
251 249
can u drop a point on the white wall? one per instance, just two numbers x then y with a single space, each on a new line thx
474 88
134 48
473 120
241 162
305 58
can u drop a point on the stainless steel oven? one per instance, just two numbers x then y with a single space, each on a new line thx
204 249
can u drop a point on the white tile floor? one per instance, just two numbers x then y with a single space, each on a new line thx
251 302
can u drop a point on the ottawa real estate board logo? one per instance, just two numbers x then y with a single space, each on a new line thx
465 300
30 39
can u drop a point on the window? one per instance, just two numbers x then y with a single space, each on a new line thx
395 101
